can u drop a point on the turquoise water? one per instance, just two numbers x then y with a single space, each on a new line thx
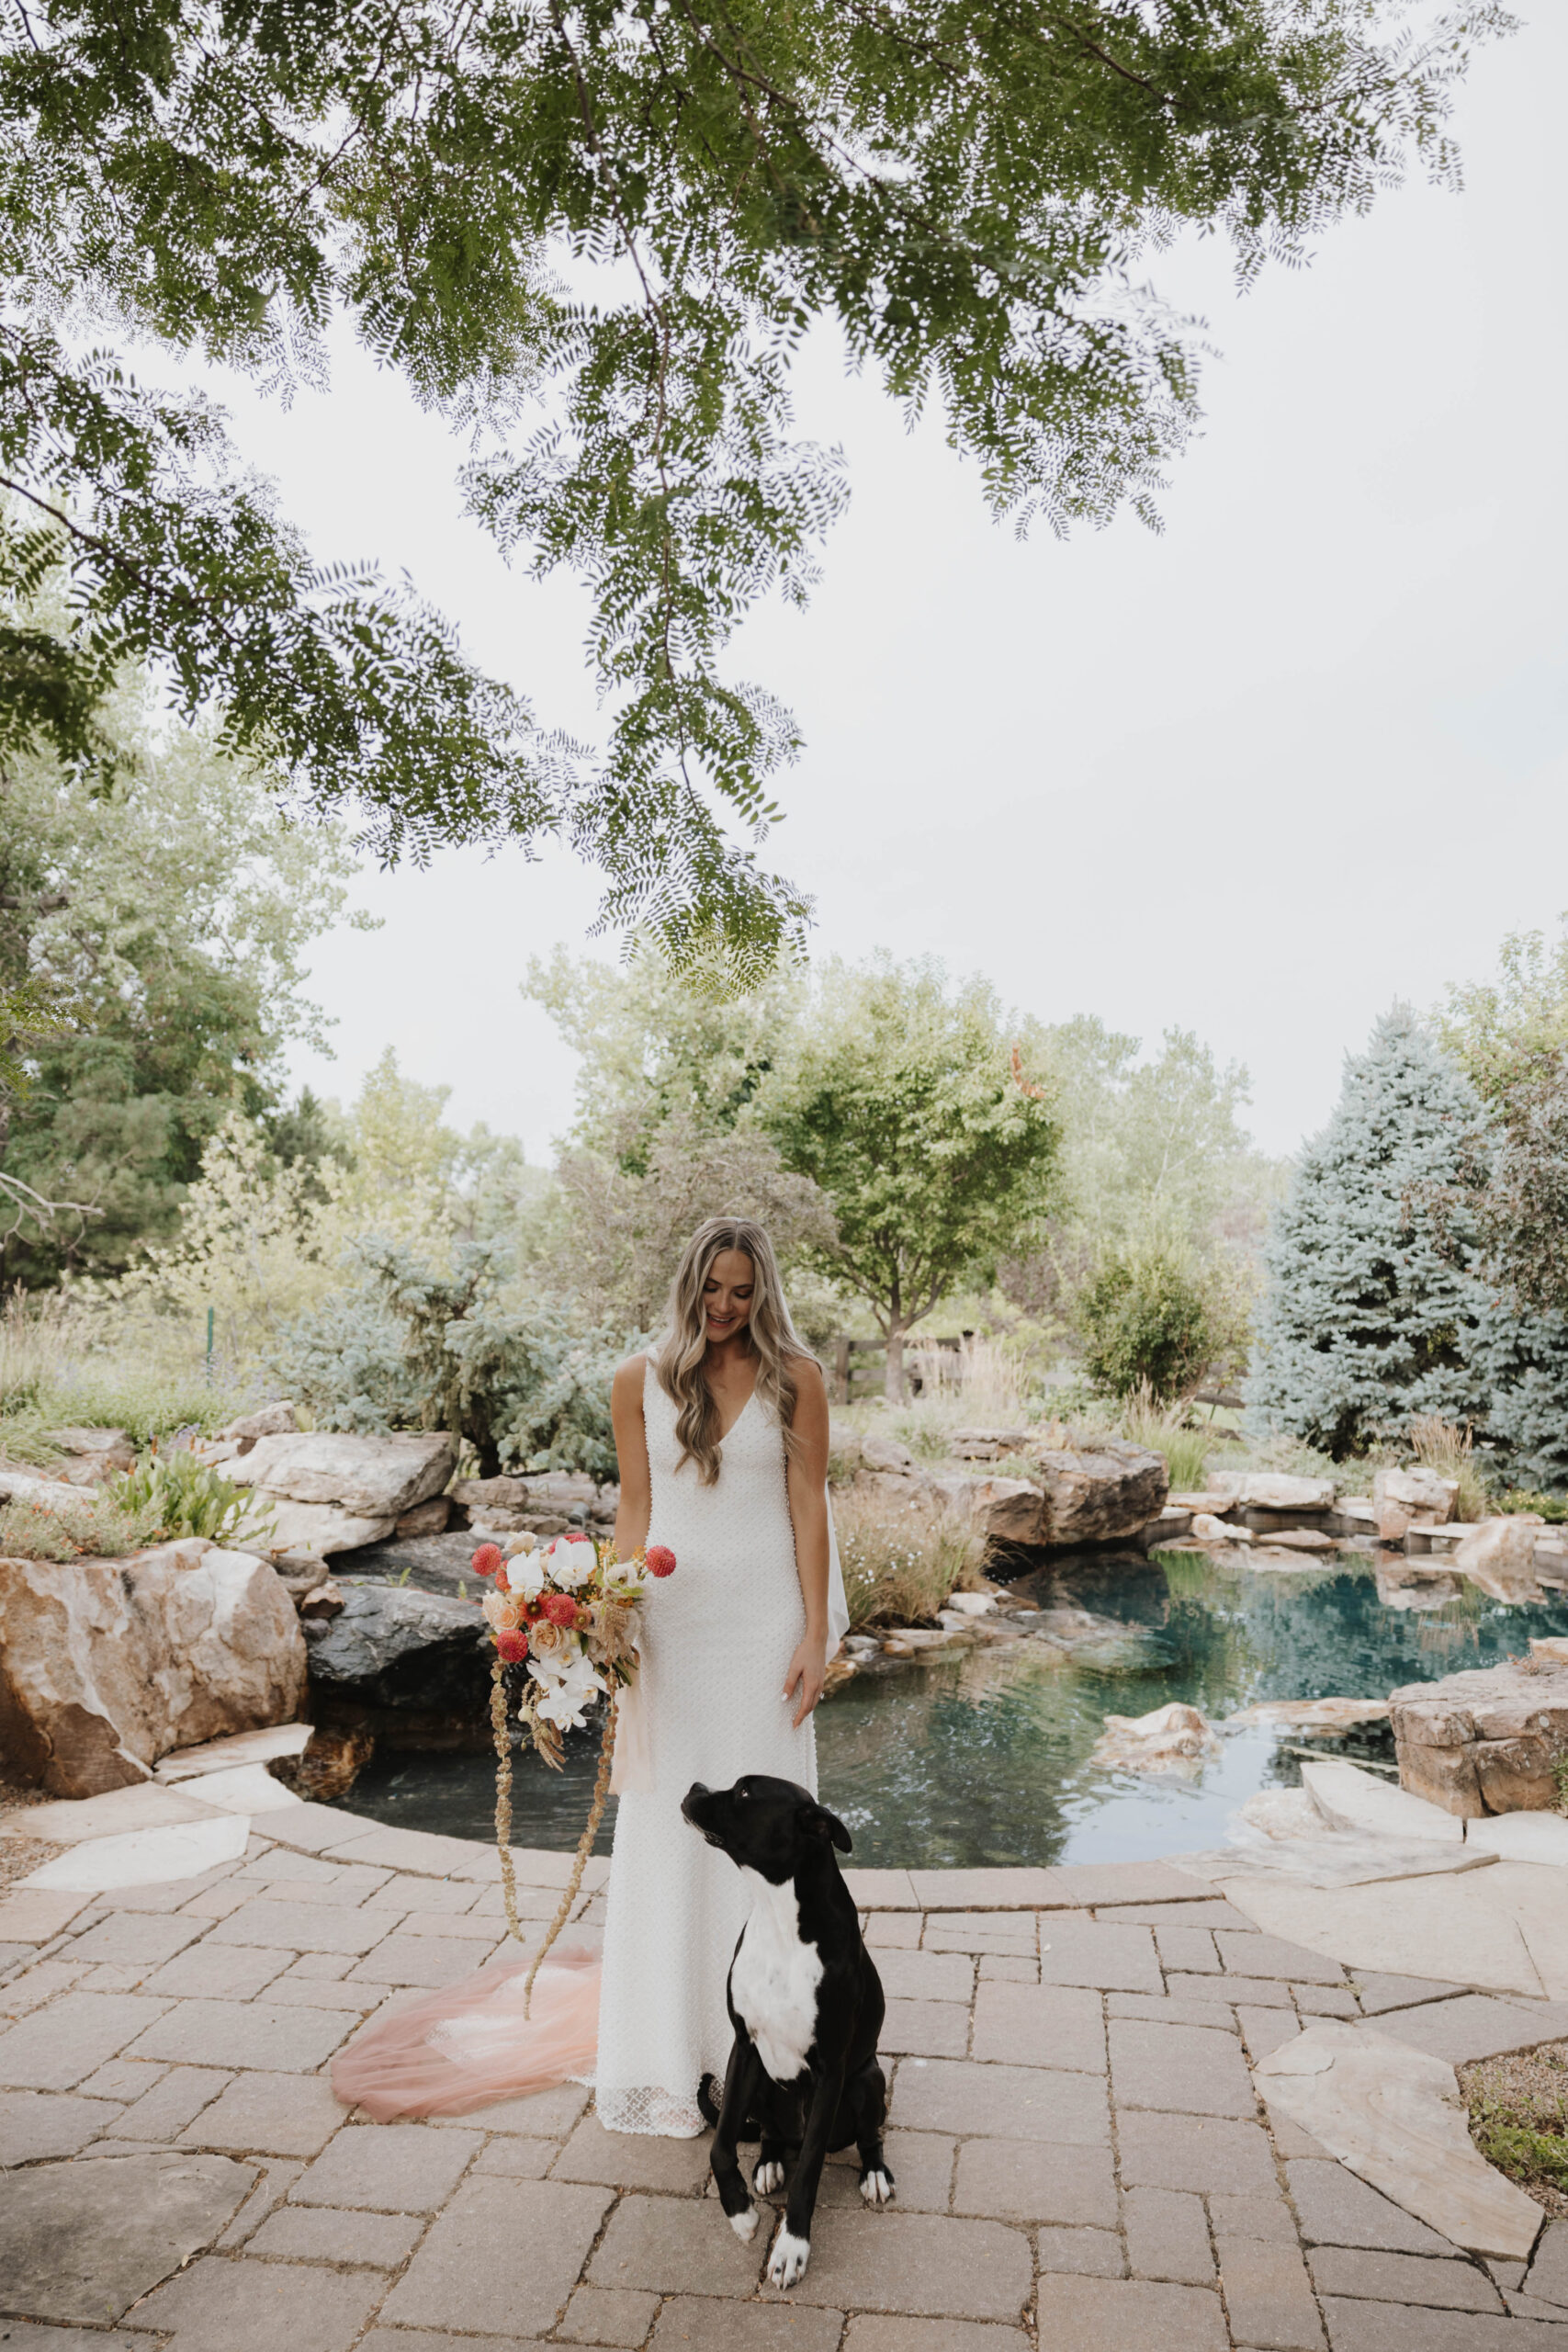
984 1758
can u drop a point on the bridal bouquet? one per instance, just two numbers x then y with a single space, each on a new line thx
572 1611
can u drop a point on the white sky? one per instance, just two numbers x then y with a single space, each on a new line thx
1303 754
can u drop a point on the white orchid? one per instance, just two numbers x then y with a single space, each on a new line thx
525 1575
569 1562
565 1693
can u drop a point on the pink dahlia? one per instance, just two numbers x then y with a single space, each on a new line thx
560 1608
512 1646
487 1560
661 1560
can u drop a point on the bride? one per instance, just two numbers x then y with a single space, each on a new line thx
721 1437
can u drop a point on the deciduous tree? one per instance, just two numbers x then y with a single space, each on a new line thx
901 1100
594 236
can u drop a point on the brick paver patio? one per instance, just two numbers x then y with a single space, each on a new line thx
1081 2158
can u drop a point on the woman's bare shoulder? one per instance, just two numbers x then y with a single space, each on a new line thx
810 1388
629 1376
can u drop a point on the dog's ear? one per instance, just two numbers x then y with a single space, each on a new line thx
823 1824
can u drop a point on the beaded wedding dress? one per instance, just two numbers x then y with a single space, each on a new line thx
717 1640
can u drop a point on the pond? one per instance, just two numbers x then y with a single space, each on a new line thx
984 1757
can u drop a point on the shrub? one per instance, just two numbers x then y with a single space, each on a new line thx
180 1495
410 1347
1148 1324
1553 1508
81 1525
901 1560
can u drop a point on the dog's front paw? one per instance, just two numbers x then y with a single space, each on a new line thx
766 2178
787 2263
876 2186
745 2224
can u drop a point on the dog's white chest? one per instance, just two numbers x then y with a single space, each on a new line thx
775 1979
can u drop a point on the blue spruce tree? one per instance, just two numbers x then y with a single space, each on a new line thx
1372 1311
1522 1354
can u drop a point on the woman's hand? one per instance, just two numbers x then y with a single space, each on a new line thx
809 1670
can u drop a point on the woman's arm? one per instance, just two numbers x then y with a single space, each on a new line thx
808 1483
631 1457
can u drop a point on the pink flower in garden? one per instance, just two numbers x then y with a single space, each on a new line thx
661 1560
487 1560
512 1646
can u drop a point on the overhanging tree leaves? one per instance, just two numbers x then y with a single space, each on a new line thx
596 235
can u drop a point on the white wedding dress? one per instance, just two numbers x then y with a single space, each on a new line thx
708 1704
717 1642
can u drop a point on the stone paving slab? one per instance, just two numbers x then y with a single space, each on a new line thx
1082 2159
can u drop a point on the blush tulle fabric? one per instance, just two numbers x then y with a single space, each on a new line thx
470 2044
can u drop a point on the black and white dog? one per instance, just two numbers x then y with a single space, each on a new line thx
807 2004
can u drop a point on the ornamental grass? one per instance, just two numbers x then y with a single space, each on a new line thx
901 1560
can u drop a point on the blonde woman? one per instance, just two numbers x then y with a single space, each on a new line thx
722 1435
722 1439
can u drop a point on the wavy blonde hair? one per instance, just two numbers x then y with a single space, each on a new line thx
774 1340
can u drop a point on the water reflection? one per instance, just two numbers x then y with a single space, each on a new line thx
985 1758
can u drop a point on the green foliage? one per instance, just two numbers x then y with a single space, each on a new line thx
900 1101
1186 1450
1148 1324
968 199
1511 1037
408 1346
180 1495
81 1525
164 913
1518 2116
1551 1507
1498 1030
655 1049
666 1135
1372 1310
1154 1162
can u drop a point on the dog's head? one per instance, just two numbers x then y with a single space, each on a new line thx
766 1826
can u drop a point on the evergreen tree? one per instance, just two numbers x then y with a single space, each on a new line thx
1523 1359
1372 1311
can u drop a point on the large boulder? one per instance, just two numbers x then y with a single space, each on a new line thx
300 1533
1498 1555
396 1648
368 1477
1492 1740
1008 1511
108 1665
1270 1490
1406 1498
986 1445
547 1501
1106 1490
